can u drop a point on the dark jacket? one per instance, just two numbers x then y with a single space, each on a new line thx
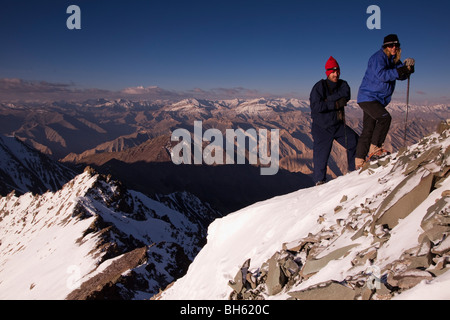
378 83
323 99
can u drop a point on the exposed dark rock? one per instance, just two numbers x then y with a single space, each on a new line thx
104 285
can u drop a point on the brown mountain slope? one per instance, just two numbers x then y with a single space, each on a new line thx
132 139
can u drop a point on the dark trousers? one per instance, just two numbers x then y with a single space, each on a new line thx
376 123
323 142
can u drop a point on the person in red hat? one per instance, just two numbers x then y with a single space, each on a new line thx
327 101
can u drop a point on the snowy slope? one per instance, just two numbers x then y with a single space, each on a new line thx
39 244
24 169
337 234
93 234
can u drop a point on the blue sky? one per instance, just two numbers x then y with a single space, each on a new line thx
271 47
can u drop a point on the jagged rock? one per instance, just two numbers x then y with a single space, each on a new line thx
383 162
276 278
410 278
363 293
315 265
330 290
251 280
362 257
295 246
435 233
237 283
382 292
240 279
425 157
290 268
419 262
390 213
419 256
103 285
389 275
321 219
442 126
361 231
440 178
437 215
298 245
337 209
442 247
440 265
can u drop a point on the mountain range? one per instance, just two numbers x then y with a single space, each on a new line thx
131 139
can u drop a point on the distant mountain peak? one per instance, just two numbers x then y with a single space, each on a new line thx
84 240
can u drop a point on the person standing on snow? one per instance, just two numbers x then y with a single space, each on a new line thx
375 93
327 100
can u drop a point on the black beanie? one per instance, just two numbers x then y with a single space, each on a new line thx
391 38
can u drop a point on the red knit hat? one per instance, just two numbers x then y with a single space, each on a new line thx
331 66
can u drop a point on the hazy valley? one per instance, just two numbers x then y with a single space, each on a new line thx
131 140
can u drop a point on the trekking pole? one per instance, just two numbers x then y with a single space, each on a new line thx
407 109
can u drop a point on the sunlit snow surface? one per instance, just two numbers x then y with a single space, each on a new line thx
258 231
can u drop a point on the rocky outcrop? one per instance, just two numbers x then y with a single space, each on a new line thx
362 238
95 239
106 285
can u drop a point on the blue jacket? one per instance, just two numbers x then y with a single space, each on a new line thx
323 99
378 83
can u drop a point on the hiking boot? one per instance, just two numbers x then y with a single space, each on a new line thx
376 152
373 149
359 163
379 154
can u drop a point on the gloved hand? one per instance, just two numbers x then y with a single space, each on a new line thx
404 72
409 62
341 103
340 112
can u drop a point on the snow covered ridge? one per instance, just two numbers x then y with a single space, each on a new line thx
378 233
24 169
94 239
